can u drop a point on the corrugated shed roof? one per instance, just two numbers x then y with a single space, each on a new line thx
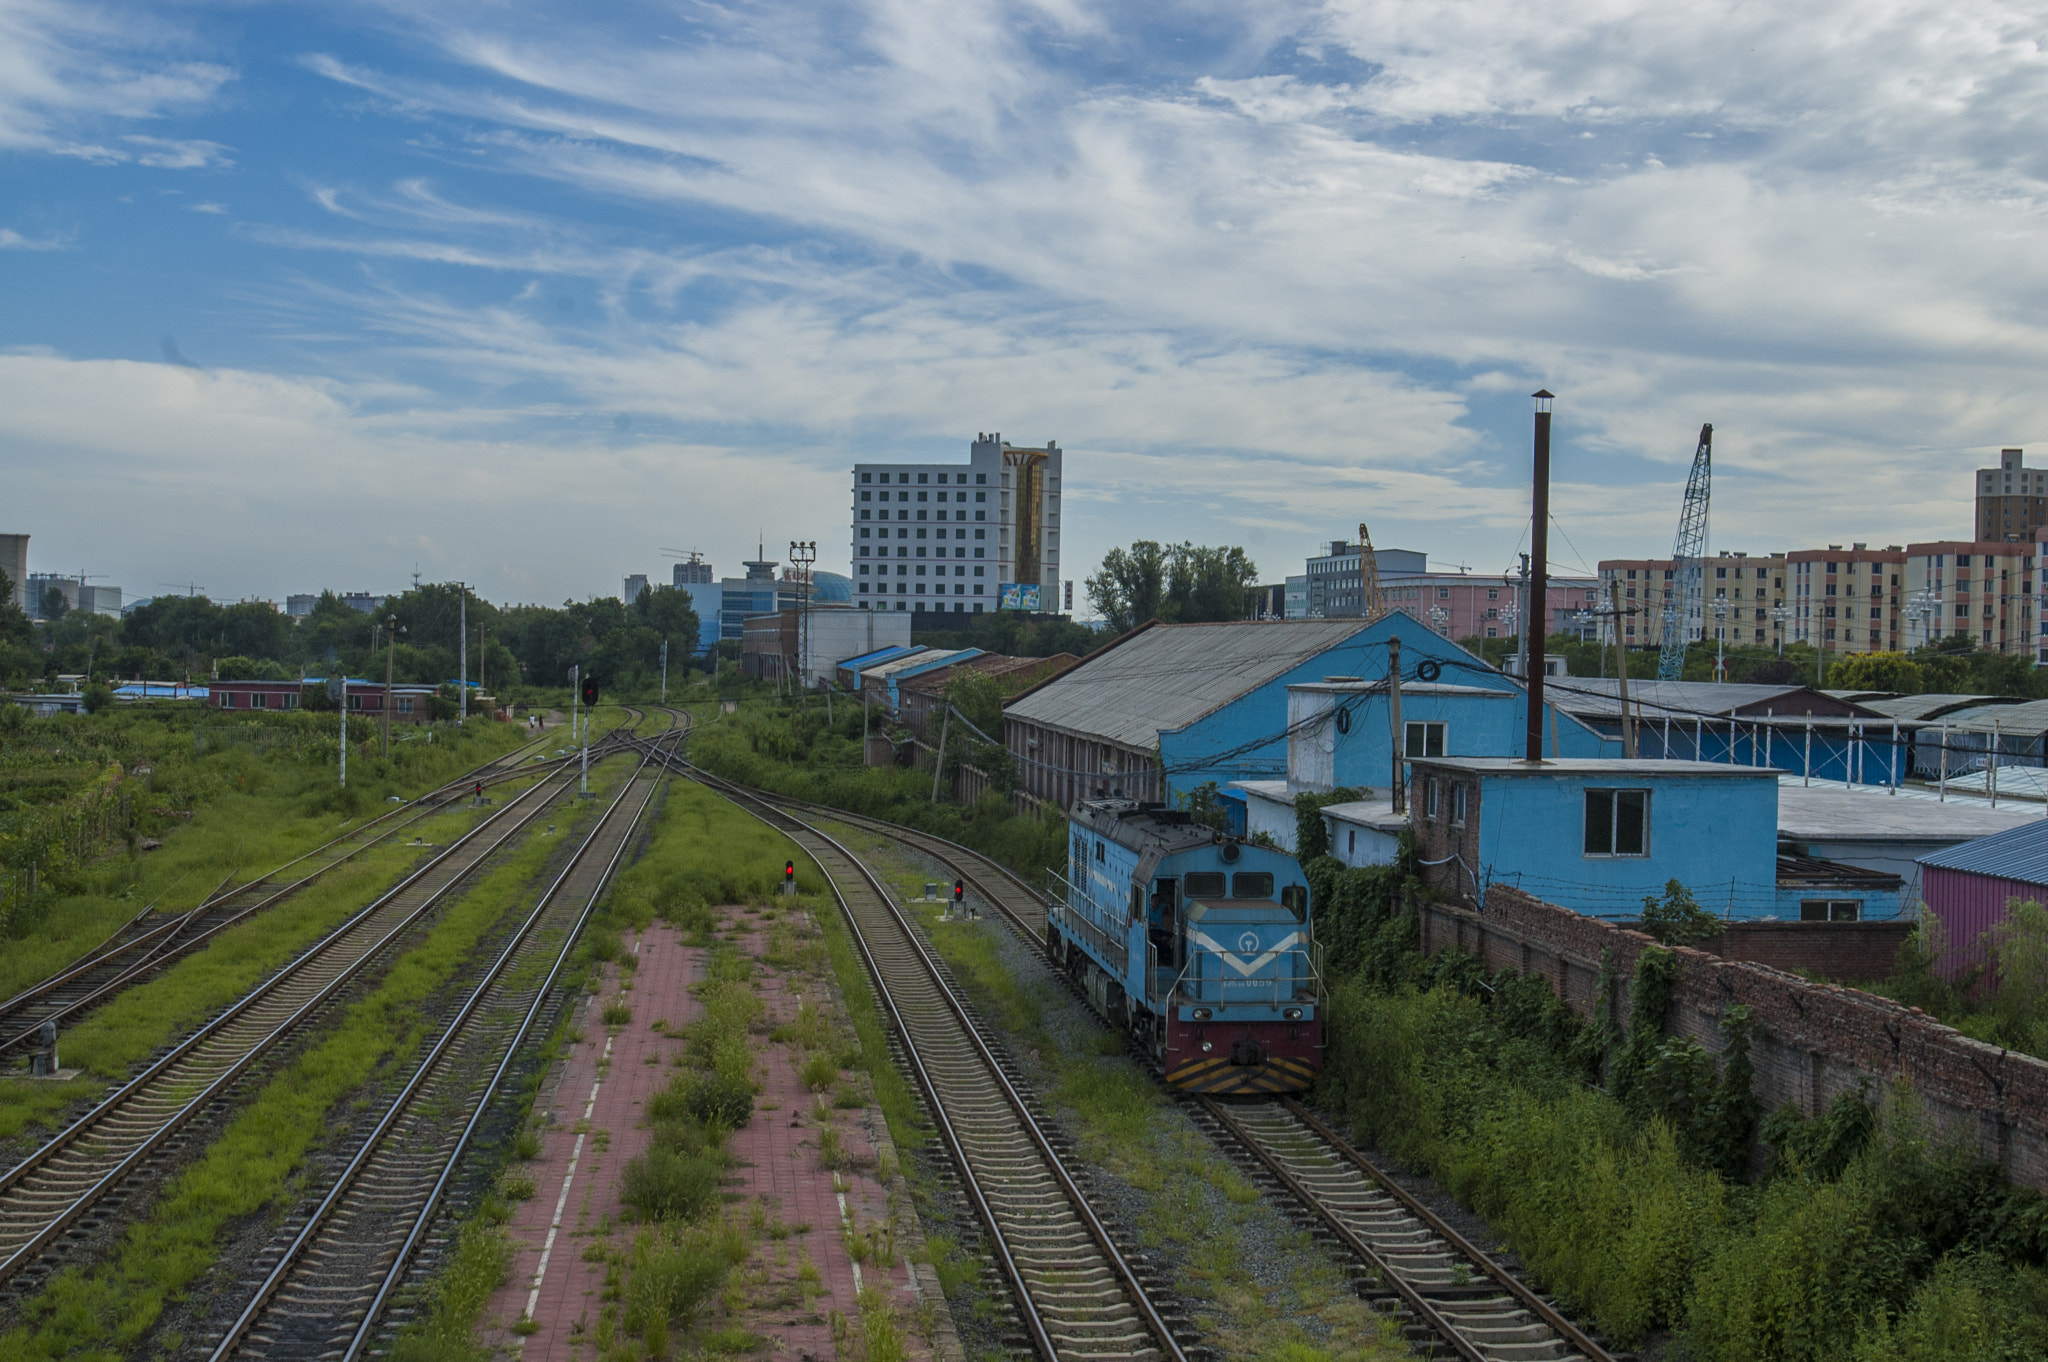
1929 706
2029 716
2020 854
924 657
1598 698
1167 676
882 655
988 664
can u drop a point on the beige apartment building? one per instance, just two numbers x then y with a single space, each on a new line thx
1983 589
1848 600
2012 500
1742 599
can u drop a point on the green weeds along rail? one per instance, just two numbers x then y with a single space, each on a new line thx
46 1192
1077 1295
330 1283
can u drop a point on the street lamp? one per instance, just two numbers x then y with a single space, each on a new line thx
1440 620
1720 638
1924 606
1779 614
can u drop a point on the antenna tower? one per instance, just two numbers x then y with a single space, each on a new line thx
1682 605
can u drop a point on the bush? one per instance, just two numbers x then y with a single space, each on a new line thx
617 1013
672 1281
707 1099
820 1072
665 1185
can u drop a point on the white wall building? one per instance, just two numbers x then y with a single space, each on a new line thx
965 538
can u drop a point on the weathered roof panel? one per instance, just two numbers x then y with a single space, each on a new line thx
1170 675
2017 854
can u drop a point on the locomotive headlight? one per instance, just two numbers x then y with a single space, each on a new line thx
1202 1014
1291 1013
1207 1046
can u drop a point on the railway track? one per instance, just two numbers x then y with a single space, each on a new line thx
1453 1297
143 948
328 1287
60 1183
1077 1295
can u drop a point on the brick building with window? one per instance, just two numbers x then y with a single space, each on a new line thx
409 702
1982 589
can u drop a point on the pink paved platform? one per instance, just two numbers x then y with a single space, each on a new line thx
596 1126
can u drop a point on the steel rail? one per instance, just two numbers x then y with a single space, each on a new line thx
933 975
1512 1284
104 1177
411 1244
161 944
1413 1298
372 1144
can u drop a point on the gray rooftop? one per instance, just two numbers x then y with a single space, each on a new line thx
2029 716
1169 675
1598 697
1842 813
1929 706
1377 814
2017 854
1581 766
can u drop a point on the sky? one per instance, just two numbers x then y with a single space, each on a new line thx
533 295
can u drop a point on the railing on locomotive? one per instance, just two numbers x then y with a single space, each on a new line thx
1113 950
1302 978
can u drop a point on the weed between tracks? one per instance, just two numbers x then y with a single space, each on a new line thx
1260 1287
106 1311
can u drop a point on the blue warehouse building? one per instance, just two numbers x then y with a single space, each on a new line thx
1599 835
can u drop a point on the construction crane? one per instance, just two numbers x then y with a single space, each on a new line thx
1682 601
1372 602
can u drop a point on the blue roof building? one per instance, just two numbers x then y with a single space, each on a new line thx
1600 835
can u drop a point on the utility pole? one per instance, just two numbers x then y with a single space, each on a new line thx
939 762
1400 790
664 671
1522 622
575 707
1628 724
390 646
802 555
462 633
1539 570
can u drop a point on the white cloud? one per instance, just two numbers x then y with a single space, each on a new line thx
11 240
67 68
206 207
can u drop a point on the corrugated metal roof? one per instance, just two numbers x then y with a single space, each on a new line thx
882 655
2030 716
2020 854
1929 706
1598 697
1170 675
922 658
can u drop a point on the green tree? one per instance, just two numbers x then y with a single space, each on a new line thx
1878 671
1183 584
1131 586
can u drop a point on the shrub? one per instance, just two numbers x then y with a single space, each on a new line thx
617 1013
706 1099
672 1280
664 1185
820 1073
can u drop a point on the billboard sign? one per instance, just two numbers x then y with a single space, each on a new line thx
1020 596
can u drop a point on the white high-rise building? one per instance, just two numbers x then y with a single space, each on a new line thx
965 538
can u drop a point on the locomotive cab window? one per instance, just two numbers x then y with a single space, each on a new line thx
1252 884
1294 898
1203 884
1617 822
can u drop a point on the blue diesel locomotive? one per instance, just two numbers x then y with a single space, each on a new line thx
1199 944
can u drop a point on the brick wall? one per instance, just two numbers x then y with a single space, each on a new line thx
1845 951
1811 1041
1450 854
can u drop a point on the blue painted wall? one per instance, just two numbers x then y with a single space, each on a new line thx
1492 725
1246 739
1716 834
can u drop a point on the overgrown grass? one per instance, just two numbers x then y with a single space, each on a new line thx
106 1312
254 805
1867 1237
773 748
112 1039
482 1260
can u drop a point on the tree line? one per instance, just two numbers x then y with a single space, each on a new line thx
192 638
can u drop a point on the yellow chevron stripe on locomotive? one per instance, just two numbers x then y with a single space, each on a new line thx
1216 1076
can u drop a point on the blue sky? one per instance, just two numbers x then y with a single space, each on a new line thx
302 296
